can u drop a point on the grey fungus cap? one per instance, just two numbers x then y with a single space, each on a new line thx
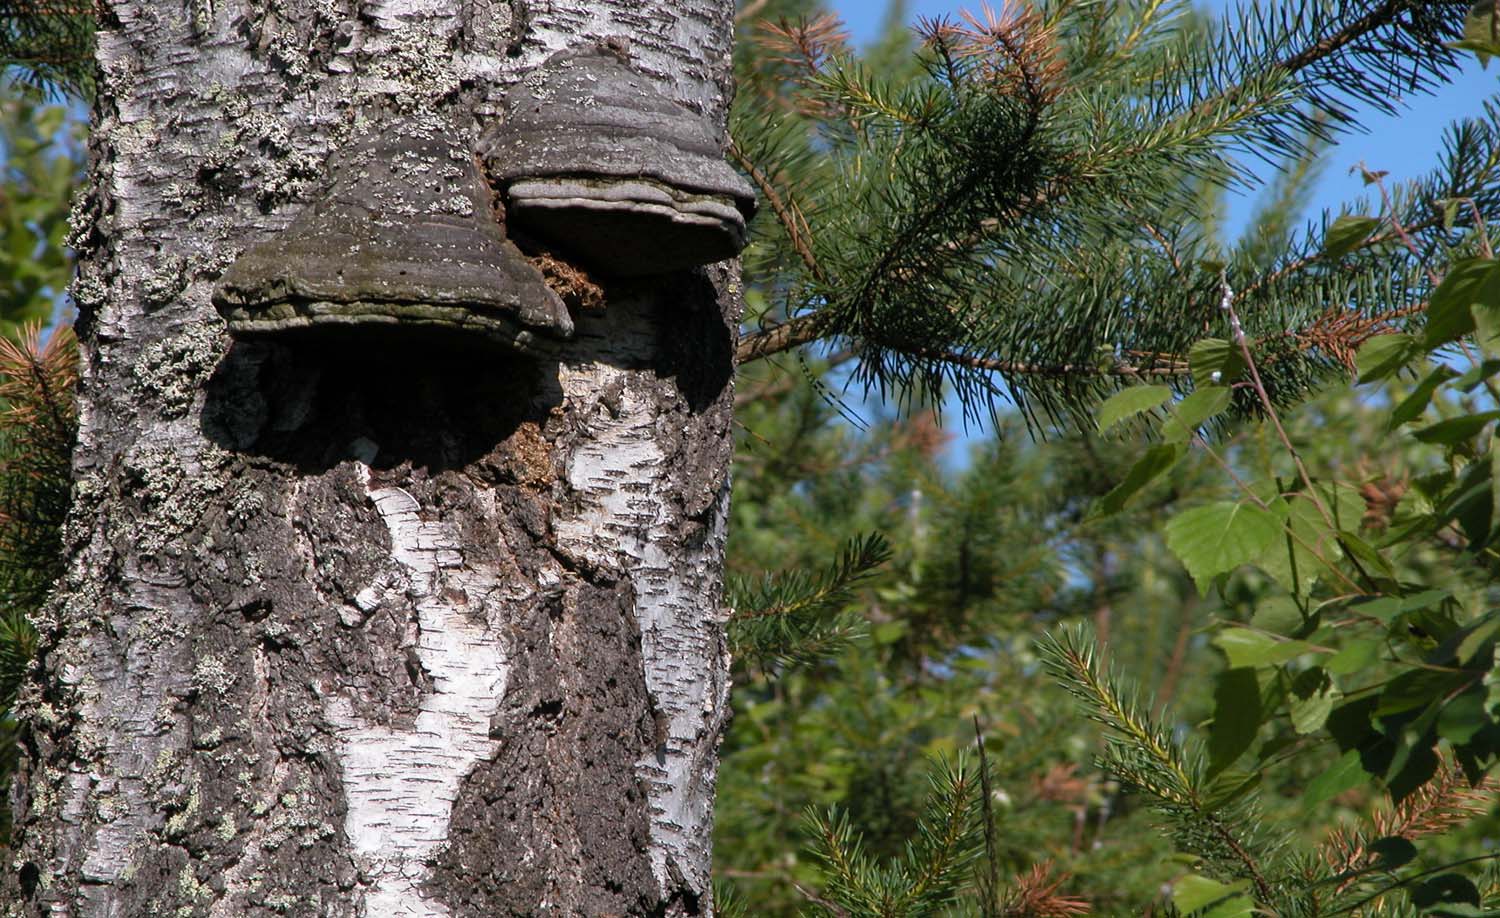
594 159
404 237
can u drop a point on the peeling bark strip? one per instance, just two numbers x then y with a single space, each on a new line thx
372 624
400 784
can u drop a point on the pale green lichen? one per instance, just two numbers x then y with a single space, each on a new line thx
212 676
285 168
88 290
161 284
153 628
413 69
179 823
297 819
140 139
245 503
109 806
175 496
174 370
191 888
252 565
283 903
160 769
46 792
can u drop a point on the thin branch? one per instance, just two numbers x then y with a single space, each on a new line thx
751 8
1169 367
1175 665
785 382
789 334
785 213
1165 244
1384 15
1240 340
1319 257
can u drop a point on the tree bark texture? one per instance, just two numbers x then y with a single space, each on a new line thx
372 624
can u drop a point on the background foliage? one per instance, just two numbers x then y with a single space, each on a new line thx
1280 693
42 158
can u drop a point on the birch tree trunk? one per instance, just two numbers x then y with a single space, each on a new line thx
372 626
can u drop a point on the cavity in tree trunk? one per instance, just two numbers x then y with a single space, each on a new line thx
375 623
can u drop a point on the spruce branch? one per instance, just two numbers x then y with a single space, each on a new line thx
1143 754
926 877
37 427
793 223
960 230
797 616
1035 894
48 43
988 880
1443 803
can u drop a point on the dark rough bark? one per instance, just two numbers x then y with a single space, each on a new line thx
372 624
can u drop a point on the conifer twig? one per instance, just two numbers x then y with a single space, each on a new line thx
786 214
989 885
1074 660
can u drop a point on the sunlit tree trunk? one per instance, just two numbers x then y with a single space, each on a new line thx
372 624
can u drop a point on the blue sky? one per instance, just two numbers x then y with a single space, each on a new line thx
1403 145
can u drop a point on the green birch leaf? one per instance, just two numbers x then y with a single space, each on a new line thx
1463 717
1354 656
1237 717
1470 503
1481 32
1383 355
1494 457
1278 615
1343 775
1481 635
1454 430
1190 413
1450 316
1215 356
1386 608
1246 648
1482 48
1415 404
1311 701
1156 461
1450 212
1475 375
1487 327
1346 233
1305 550
1416 688
1393 851
1447 889
1130 402
1195 893
1219 537
1366 555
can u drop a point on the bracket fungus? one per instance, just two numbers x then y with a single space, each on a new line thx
595 159
404 237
